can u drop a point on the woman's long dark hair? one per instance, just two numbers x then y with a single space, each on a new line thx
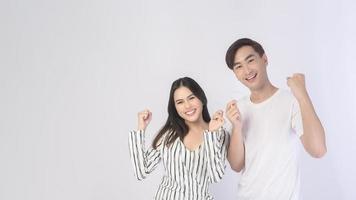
175 126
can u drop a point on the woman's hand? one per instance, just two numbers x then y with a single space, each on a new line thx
217 121
144 118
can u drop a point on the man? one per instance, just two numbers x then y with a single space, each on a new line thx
267 126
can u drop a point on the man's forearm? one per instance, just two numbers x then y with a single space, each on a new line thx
313 137
236 153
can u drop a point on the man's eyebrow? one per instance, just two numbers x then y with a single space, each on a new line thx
247 57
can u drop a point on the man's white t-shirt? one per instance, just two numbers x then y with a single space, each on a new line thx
271 131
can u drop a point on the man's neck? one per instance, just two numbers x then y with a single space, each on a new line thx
260 95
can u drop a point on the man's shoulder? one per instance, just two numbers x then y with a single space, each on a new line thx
286 95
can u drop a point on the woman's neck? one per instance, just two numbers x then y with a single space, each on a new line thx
198 126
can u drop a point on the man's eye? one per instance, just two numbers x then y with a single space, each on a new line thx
237 66
192 97
251 60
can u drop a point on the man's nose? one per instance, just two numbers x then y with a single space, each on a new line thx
247 70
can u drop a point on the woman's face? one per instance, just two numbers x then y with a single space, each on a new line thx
188 106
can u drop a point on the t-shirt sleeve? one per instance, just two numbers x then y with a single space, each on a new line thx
296 121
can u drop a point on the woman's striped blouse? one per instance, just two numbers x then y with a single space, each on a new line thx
187 173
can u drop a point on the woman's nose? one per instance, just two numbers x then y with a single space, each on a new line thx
187 104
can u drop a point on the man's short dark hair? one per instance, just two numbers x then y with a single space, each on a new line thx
230 54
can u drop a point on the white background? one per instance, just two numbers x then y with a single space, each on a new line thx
74 73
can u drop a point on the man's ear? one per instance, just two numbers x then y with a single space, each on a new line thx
265 59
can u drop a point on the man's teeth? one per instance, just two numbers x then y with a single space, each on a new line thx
251 77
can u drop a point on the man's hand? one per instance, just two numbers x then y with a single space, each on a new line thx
297 85
233 114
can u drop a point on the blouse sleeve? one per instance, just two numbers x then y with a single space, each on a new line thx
216 144
143 161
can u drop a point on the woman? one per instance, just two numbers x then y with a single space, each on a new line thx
191 146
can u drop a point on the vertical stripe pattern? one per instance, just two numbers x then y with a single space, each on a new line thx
187 173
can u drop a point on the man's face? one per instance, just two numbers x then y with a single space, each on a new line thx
250 68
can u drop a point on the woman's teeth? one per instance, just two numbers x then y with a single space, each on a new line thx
191 112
